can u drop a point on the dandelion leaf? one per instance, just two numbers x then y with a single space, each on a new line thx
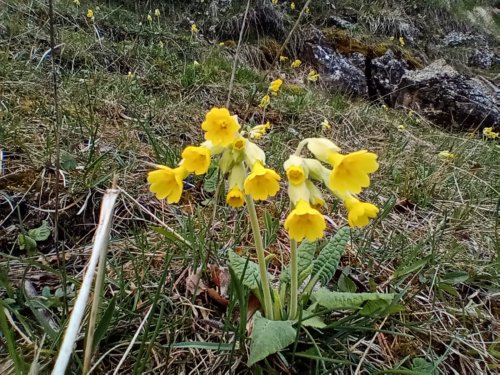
269 336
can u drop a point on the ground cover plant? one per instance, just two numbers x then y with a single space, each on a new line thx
136 82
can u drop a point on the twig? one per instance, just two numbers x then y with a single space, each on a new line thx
100 243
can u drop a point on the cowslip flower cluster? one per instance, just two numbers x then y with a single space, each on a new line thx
273 89
313 76
345 177
489 133
242 160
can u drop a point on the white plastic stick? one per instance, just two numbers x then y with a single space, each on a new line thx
100 243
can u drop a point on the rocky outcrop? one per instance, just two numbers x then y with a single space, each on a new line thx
386 74
449 98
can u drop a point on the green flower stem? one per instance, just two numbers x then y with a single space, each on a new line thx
259 247
294 284
301 146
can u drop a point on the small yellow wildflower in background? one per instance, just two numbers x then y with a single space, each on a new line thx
258 131
391 38
157 12
194 29
220 127
313 76
292 6
149 18
296 64
307 10
222 44
401 127
359 213
274 2
325 125
446 155
305 222
275 86
90 14
489 133
266 99
76 2
283 58
401 41
130 76
386 108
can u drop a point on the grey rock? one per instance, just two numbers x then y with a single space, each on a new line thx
339 22
386 74
358 60
456 38
339 72
483 59
449 98
408 31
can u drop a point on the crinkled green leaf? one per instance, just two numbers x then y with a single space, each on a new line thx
339 300
269 336
26 242
376 307
41 233
328 259
246 270
345 284
211 179
305 255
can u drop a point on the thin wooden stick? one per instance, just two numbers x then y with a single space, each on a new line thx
100 244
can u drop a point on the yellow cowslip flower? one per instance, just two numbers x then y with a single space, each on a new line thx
359 212
90 13
305 222
157 12
489 133
401 41
446 155
259 130
315 197
401 127
313 76
296 64
283 58
194 29
264 102
149 18
274 2
76 2
196 159
222 44
292 6
350 172
235 197
295 171
275 86
220 127
262 182
239 144
167 182
325 125
307 10
322 148
254 154
130 76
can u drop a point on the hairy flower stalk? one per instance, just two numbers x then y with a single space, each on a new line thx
294 280
259 248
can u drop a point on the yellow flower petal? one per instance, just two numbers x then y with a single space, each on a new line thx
235 197
275 86
262 182
350 172
196 159
221 128
322 148
359 213
167 182
296 64
264 102
305 222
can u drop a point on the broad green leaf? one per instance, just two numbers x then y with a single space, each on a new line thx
269 336
448 289
420 364
346 284
41 233
328 259
376 307
314 321
305 255
339 301
26 242
246 270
